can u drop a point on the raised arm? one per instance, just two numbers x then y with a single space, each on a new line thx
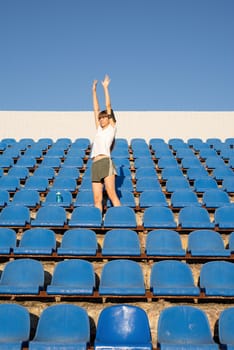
105 84
96 107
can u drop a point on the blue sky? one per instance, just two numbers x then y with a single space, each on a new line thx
160 54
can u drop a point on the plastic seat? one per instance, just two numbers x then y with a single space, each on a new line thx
84 198
121 242
14 215
204 184
7 240
225 328
120 152
44 171
166 162
122 277
37 241
213 162
86 216
126 198
206 243
38 183
171 172
120 217
224 217
123 327
195 173
64 183
9 183
164 242
4 198
15 326
50 215
171 277
27 198
20 172
68 171
176 143
73 276
52 162
184 198
22 276
121 161
144 184
139 152
190 162
145 172
152 199
217 278
228 184
163 151
177 183
194 217
63 326
81 143
231 242
6 161
78 242
123 171
195 142
51 199
221 172
215 198
123 183
184 327
143 162
74 162
57 152
214 142
158 217
184 152
207 152
26 162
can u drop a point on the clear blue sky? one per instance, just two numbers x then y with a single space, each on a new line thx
160 54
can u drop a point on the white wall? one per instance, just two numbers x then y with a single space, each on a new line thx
149 124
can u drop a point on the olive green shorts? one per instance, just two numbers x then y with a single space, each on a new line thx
102 168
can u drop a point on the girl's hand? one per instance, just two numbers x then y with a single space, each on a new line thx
106 81
95 84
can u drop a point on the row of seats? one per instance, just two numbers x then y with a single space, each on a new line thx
192 217
120 277
116 242
67 326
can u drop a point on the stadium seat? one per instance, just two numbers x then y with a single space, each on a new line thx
169 172
84 198
4 198
15 215
52 162
26 162
44 171
37 241
176 143
203 184
158 217
74 162
120 217
143 162
126 198
214 142
123 171
224 217
22 276
68 171
184 198
122 277
62 326
78 242
221 172
228 184
6 161
86 216
215 198
193 217
50 215
207 152
15 326
225 328
184 327
123 327
66 200
65 183
121 242
144 184
81 143
20 172
195 142
213 162
123 183
152 198
9 183
166 162
143 172
195 173
72 277
217 278
27 198
38 183
190 162
172 277
7 240
206 243
177 183
184 152
164 242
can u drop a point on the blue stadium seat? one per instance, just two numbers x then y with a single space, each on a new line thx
184 198
81 143
65 183
143 162
172 277
27 198
15 215
72 277
148 183
158 217
123 327
231 242
228 184
20 172
62 326
139 152
122 277
221 172
34 151
123 183
120 217
169 172
184 152
37 241
152 198
126 198
38 183
207 152
121 162
229 142
84 198
4 198
66 200
176 142
6 161
74 162
194 217
143 172
206 243
197 172
15 326
166 162
9 183
225 328
45 171
164 242
195 142
22 276
184 327
69 171
215 198
86 216
214 162
26 162
203 184
224 217
177 183
7 240
214 142
52 162
217 278
56 152
190 162
50 215
123 171
122 242
78 242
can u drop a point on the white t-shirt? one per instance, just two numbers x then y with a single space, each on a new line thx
103 141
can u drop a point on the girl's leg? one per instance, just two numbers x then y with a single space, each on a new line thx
110 189
97 194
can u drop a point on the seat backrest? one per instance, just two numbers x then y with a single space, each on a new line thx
121 242
86 216
7 239
122 216
152 198
217 273
123 326
225 326
164 241
80 240
38 238
205 240
159 217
